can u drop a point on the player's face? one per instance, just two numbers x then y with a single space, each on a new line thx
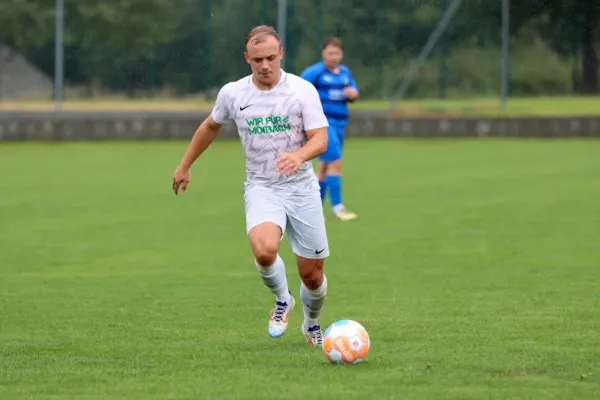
265 60
332 56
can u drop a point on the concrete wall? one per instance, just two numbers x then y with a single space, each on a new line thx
170 126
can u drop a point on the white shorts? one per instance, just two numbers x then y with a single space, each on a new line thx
300 214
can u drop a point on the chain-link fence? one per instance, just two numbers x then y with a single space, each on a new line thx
184 47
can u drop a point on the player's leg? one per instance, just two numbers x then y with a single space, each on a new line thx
313 290
333 179
321 173
331 155
265 224
308 239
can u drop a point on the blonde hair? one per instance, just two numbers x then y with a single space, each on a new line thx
260 33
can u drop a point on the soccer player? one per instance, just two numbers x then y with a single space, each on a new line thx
282 127
336 88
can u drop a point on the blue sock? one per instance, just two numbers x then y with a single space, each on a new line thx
334 183
323 186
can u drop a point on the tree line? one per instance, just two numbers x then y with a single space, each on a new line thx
189 46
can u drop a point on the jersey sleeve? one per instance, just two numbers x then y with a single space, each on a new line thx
311 74
221 111
351 81
312 110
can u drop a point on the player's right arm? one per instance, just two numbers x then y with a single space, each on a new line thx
203 137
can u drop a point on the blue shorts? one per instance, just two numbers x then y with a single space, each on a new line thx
335 144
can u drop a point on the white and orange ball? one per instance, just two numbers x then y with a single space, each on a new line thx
346 342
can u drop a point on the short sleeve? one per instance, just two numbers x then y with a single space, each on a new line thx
353 82
222 109
312 109
311 74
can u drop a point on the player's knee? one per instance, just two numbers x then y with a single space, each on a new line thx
334 168
264 240
265 251
265 256
322 170
311 273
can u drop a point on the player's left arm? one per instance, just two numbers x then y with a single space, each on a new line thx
315 125
315 146
289 163
351 91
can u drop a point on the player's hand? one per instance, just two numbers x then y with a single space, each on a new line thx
181 178
288 163
350 93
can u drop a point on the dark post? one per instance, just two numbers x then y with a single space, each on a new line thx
208 42
505 52
59 55
320 34
443 67
379 40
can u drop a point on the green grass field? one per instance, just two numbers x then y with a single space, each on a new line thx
473 265
536 106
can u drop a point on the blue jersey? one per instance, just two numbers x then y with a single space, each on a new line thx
330 87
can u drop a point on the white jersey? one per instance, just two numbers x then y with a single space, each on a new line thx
271 122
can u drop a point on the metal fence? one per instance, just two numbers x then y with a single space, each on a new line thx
395 48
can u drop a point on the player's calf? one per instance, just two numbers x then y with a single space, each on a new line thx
333 181
321 170
311 272
313 290
264 240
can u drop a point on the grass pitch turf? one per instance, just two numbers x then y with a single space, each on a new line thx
473 265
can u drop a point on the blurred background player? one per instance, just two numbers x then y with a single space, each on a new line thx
336 88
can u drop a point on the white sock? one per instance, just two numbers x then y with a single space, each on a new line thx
337 208
312 302
275 279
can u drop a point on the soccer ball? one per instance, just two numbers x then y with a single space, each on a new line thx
346 342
